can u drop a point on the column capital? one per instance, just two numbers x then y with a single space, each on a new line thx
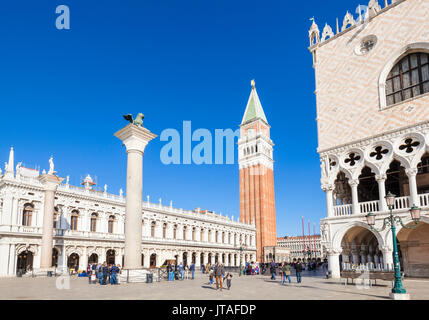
411 172
386 249
334 251
354 182
381 177
49 181
135 138
328 187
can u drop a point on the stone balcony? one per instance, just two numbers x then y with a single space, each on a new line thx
401 204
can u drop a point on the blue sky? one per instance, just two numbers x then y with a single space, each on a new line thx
62 92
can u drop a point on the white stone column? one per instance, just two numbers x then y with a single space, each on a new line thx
169 232
198 234
135 140
206 258
12 259
329 200
414 197
334 263
158 229
381 179
146 259
83 260
388 258
6 216
102 256
4 252
189 233
197 260
355 200
50 183
205 235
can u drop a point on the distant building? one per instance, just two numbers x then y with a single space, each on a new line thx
312 247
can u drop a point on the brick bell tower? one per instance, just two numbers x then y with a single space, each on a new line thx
255 158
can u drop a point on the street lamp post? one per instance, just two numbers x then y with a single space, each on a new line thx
241 252
307 252
392 221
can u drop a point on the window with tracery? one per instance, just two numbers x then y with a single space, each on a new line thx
409 78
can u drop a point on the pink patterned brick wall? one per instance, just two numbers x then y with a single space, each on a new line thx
348 100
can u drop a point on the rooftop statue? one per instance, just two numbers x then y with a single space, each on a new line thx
137 121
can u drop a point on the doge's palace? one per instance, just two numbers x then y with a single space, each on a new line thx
88 227
372 93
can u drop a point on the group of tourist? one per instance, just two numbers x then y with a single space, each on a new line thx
103 273
180 271
217 272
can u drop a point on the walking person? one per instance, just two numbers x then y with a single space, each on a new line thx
113 274
286 273
211 276
192 270
228 280
105 271
298 270
100 273
186 272
273 270
119 273
181 270
219 272
170 272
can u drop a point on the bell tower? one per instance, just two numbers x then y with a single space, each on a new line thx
255 158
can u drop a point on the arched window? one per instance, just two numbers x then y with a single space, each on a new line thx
193 234
94 217
74 220
27 214
409 78
175 231
164 230
110 224
152 229
201 234
217 236
184 232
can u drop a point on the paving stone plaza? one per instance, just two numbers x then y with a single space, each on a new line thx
313 287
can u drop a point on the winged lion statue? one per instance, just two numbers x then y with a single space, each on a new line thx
138 121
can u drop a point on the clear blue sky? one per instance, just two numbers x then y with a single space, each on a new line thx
62 92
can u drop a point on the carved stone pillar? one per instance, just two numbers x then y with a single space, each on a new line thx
414 197
50 183
381 180
355 200
329 200
135 140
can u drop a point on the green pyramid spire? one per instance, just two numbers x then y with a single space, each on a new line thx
254 107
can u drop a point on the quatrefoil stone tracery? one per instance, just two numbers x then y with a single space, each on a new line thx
352 159
409 145
378 153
